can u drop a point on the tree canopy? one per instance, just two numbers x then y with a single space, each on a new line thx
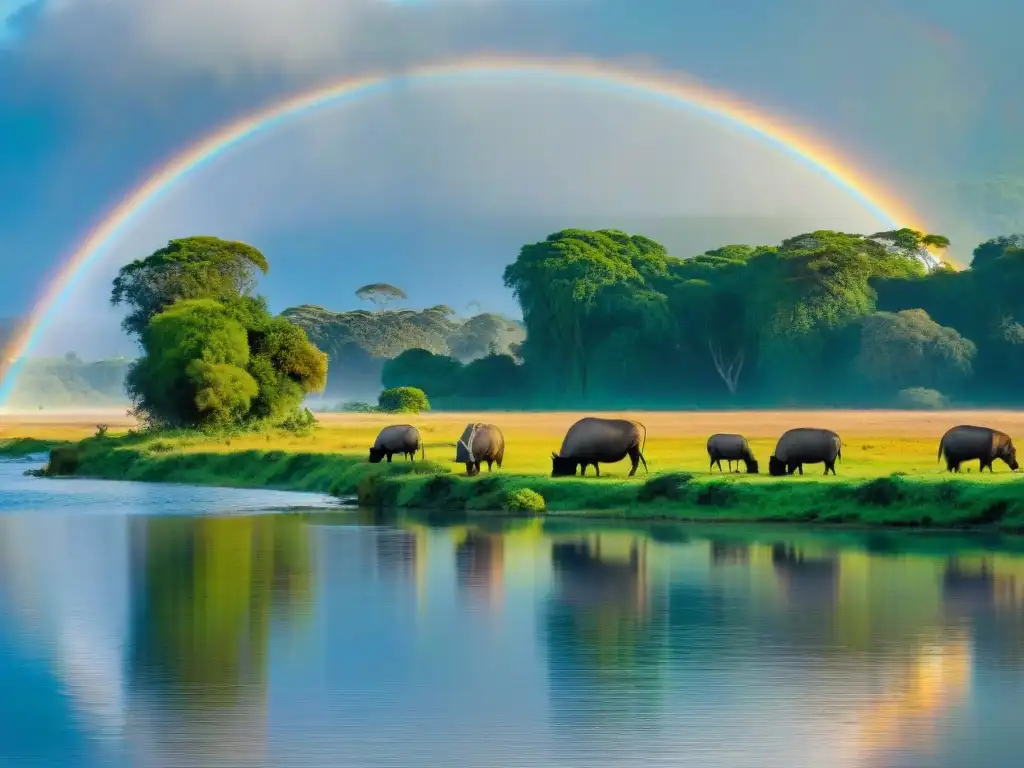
380 294
218 360
199 267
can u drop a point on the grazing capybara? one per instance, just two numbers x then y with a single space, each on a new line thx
805 445
731 448
398 438
591 440
966 443
479 443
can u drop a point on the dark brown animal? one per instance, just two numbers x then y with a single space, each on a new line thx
398 438
966 443
731 448
480 443
805 445
591 440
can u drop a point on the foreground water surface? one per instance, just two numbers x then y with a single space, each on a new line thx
171 626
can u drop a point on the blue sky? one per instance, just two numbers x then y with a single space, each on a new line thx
436 191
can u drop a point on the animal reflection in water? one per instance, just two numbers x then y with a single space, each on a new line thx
587 579
479 564
806 580
727 553
968 591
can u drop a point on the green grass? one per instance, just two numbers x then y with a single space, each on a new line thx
18 447
927 499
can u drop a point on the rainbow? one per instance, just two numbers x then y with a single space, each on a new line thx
657 87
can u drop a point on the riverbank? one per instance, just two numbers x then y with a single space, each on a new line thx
884 481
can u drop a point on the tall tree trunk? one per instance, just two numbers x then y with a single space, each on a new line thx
728 367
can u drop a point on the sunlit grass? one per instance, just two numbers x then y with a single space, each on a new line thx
900 454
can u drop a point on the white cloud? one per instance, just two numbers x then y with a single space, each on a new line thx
121 39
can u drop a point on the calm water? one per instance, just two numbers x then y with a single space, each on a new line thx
168 626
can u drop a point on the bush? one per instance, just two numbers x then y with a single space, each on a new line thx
523 500
403 400
921 399
300 421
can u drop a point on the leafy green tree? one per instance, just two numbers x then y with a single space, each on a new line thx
217 363
380 294
483 334
493 376
190 268
557 283
403 400
437 375
988 252
908 349
193 372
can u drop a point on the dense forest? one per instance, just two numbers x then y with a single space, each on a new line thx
612 320
822 319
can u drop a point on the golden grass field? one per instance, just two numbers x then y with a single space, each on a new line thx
875 443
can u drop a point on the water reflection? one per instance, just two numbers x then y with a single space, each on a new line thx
279 640
480 566
204 595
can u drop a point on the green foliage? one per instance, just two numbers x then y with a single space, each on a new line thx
379 294
359 343
523 500
220 364
300 422
887 501
437 375
921 399
908 349
190 268
403 400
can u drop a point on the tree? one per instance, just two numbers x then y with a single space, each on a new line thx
557 282
493 376
808 291
403 400
477 336
380 294
991 250
193 370
215 363
191 268
908 349
437 375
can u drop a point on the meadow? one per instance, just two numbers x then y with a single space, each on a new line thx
888 475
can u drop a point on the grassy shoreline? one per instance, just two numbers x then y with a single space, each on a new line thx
932 501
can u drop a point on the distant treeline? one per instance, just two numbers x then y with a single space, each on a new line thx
68 382
359 342
611 320
823 319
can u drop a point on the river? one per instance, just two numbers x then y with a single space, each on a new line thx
175 626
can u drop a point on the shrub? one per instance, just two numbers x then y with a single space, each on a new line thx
921 399
403 400
300 421
523 500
